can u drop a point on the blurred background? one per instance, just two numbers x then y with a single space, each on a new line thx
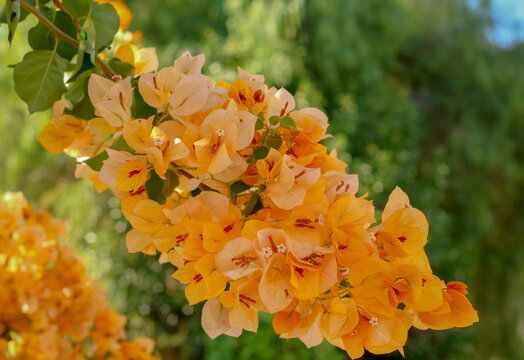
424 94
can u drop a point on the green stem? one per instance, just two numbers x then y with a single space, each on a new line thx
60 35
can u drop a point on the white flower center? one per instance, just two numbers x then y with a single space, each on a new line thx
320 220
372 236
220 132
267 252
373 321
281 248
158 141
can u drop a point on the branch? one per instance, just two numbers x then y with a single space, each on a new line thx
60 35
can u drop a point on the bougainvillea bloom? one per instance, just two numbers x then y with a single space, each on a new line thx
230 184
50 307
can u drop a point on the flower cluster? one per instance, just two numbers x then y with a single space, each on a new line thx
51 310
229 183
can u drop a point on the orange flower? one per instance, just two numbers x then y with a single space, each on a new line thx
161 144
455 311
50 306
203 279
287 182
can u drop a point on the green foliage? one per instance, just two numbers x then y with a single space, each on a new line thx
101 26
288 122
39 79
40 38
253 204
155 187
260 152
12 13
122 68
96 162
273 139
239 186
78 8
139 108
158 189
65 43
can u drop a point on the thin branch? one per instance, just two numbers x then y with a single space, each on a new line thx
60 35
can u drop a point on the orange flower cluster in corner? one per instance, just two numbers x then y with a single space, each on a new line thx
229 182
51 310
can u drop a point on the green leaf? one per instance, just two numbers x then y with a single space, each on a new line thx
102 25
12 8
171 182
76 89
274 140
97 161
23 12
82 109
288 122
239 186
78 8
40 38
260 152
259 125
79 98
83 62
253 204
39 79
121 145
64 22
155 188
139 108
122 68
273 120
